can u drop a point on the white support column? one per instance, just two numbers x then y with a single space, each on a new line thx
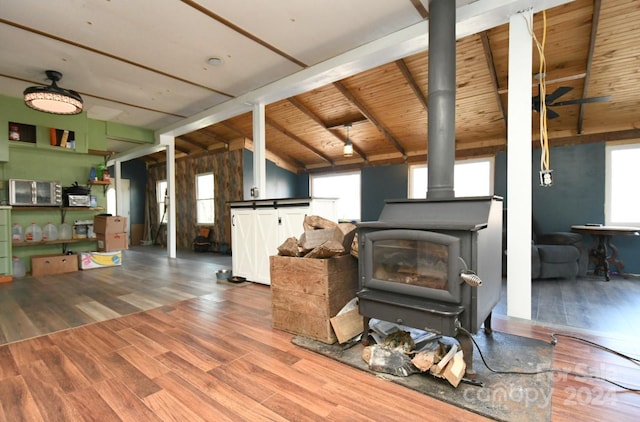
259 151
519 167
169 141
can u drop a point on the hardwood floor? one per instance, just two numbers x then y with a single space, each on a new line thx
33 306
193 349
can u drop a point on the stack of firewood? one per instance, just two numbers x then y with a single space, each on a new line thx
321 238
447 361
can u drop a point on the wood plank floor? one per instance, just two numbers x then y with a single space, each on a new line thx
215 356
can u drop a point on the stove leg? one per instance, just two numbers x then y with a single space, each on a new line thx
467 353
487 325
365 331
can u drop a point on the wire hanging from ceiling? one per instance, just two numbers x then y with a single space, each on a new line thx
545 155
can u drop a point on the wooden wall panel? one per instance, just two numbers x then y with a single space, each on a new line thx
227 170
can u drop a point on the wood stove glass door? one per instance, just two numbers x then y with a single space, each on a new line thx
413 262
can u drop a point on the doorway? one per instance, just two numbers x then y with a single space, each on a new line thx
119 203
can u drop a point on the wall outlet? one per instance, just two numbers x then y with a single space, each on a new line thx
546 178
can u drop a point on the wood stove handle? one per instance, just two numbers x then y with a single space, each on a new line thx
471 278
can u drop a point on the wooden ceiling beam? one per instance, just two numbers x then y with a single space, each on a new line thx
214 136
236 129
366 113
488 55
182 150
552 81
300 106
412 83
299 140
290 164
352 122
188 138
592 45
620 135
424 13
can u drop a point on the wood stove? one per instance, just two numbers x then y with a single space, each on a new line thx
433 265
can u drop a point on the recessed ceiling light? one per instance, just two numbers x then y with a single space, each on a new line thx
215 61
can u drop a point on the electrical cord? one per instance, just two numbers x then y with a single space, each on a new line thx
553 342
545 154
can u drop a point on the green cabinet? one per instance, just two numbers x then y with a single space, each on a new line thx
5 240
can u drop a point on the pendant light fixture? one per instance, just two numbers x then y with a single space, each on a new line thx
52 98
347 151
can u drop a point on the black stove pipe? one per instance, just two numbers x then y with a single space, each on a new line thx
442 99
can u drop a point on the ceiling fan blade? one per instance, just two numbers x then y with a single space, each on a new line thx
551 114
559 92
584 101
535 103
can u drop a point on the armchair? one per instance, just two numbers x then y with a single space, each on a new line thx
554 255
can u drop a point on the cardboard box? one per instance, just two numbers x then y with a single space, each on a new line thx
306 293
103 224
112 242
53 264
90 260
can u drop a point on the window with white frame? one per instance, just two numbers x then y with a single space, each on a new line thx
161 200
345 187
622 203
473 177
205 198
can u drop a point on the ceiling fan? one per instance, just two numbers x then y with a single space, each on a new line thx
559 92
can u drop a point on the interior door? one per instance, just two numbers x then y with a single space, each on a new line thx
243 243
291 220
266 242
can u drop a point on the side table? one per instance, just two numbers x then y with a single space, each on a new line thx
602 245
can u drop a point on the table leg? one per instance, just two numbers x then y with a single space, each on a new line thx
600 255
612 259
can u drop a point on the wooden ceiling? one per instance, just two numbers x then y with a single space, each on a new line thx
591 46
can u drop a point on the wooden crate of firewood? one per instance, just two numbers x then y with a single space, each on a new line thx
306 293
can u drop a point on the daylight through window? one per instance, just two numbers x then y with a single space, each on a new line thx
205 198
622 204
345 187
472 177
161 197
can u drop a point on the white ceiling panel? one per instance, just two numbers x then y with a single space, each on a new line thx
322 29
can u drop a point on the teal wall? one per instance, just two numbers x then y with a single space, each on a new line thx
379 184
280 183
136 172
576 197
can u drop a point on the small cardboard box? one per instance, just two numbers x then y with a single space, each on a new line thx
53 264
306 293
104 224
90 260
112 242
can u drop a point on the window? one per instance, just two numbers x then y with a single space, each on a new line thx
204 198
345 187
161 198
472 177
622 204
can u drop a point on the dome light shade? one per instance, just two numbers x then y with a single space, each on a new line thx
52 98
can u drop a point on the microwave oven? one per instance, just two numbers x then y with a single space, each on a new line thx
40 193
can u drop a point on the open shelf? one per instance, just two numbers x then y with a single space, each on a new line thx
104 183
52 242
54 208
